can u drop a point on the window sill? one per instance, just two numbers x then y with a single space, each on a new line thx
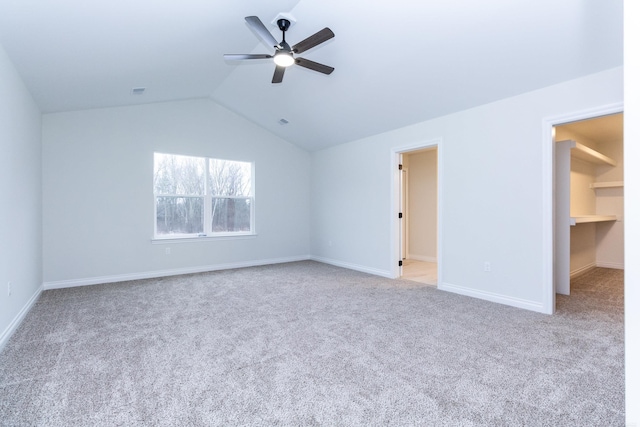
189 239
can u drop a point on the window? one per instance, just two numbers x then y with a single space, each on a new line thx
199 197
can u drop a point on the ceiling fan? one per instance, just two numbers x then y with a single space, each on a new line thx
283 56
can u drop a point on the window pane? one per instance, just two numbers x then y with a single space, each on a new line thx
229 178
180 175
228 215
179 215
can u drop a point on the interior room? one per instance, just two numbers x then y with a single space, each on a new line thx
589 166
419 220
252 276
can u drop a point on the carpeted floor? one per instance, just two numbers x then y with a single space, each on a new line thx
311 344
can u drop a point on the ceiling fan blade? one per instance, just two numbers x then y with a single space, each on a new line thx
256 24
278 74
241 56
314 40
314 66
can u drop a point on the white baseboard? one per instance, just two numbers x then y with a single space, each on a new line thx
374 271
493 297
422 258
616 265
164 273
580 271
9 330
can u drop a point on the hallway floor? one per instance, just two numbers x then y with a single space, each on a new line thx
420 271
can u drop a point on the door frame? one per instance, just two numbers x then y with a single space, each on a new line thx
404 208
396 154
548 193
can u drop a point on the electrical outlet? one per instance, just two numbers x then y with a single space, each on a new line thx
9 288
487 266
167 251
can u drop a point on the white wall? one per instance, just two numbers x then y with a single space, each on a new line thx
423 205
582 202
492 192
350 207
21 198
632 210
610 201
98 203
582 248
583 198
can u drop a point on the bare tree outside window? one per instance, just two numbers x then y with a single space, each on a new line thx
230 190
190 189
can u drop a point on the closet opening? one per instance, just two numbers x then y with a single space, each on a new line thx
589 203
417 213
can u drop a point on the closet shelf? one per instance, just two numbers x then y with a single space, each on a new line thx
585 153
592 218
608 184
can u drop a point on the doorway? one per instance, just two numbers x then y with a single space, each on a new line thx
589 198
417 207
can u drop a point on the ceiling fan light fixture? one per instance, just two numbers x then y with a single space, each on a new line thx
283 59
283 56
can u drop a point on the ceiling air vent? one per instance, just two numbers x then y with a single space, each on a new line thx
138 90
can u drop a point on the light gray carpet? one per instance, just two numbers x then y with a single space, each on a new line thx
312 344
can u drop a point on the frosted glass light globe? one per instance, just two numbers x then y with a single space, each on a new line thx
283 59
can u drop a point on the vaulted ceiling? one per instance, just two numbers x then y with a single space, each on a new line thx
397 62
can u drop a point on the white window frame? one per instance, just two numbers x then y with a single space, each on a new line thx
207 203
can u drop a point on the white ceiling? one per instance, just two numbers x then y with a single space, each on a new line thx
397 62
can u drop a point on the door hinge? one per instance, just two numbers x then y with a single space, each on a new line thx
400 215
400 263
399 167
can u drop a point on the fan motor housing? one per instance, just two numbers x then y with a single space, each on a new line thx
284 24
284 15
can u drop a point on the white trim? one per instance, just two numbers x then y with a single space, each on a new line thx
188 238
405 231
422 258
490 296
350 266
580 271
13 326
548 288
616 265
164 273
395 201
